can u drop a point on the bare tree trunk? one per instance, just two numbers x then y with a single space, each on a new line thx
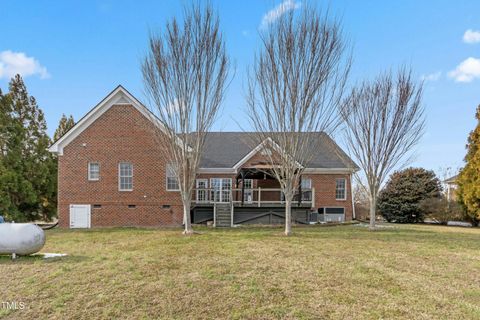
373 205
384 120
295 89
288 216
187 219
185 76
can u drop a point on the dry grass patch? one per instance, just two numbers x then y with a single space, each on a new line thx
406 272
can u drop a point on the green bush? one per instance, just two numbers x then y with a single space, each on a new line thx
400 200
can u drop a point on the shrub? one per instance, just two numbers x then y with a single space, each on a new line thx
441 210
400 200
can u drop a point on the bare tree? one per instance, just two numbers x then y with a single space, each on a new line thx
295 87
185 74
384 119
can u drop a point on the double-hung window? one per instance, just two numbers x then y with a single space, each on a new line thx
248 190
172 181
306 189
341 189
93 171
125 176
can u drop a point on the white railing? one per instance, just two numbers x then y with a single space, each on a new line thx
258 196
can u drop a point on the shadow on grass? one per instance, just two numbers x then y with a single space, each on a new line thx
35 259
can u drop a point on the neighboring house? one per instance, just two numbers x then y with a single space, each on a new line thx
113 172
451 188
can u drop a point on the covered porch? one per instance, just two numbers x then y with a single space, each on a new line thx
252 196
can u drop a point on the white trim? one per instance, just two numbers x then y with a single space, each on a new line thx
305 171
221 189
255 150
166 179
119 96
88 169
119 185
206 190
217 171
354 216
345 189
329 170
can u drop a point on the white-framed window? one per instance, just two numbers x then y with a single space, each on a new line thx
202 190
172 181
93 171
248 192
221 189
125 176
306 189
341 189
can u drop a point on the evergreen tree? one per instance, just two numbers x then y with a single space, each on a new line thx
469 178
64 125
400 200
27 170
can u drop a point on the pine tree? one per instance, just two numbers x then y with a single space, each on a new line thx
469 178
64 125
27 170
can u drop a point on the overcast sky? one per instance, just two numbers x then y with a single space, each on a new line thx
73 53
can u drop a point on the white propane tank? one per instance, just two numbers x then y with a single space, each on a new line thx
21 238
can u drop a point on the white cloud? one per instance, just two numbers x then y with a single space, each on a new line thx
245 33
12 63
466 71
471 36
432 76
278 11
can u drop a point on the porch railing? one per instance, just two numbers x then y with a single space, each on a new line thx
252 196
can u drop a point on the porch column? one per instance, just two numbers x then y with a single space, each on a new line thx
243 185
300 191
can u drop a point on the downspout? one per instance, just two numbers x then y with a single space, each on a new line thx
353 202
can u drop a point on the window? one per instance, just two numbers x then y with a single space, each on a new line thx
93 171
172 182
125 176
221 189
202 190
248 192
306 189
340 189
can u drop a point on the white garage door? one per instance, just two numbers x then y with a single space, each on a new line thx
79 216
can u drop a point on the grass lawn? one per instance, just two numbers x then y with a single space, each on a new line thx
343 272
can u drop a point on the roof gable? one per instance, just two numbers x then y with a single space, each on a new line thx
119 96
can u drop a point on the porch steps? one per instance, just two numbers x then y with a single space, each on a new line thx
223 212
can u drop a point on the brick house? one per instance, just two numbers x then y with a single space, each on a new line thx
112 172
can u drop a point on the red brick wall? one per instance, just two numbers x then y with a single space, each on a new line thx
324 185
120 134
123 134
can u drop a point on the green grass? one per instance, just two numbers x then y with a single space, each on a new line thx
343 272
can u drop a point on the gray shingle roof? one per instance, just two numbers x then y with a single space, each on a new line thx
225 149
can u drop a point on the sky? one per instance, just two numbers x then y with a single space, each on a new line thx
73 53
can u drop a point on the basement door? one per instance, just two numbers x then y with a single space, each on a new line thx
80 216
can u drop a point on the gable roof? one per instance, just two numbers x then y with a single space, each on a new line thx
119 96
229 149
451 180
224 151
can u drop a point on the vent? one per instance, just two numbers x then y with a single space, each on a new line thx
166 206
97 206
132 206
